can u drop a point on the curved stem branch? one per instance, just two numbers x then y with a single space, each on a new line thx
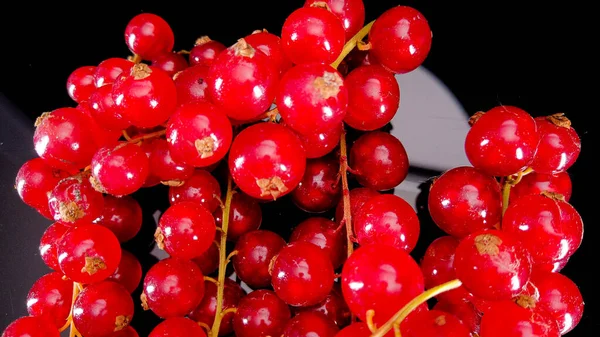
352 43
147 136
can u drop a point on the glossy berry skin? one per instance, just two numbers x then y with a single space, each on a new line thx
559 145
507 319
191 85
382 278
110 69
387 219
434 323
205 51
123 216
503 141
312 34
89 253
401 39
464 200
323 233
121 170
256 249
310 324
333 306
185 230
127 332
63 139
34 181
350 12
464 311
374 97
270 44
161 164
129 272
260 314
80 83
102 136
266 161
312 98
358 329
209 260
319 189
437 266
358 197
31 327
103 111
74 201
146 96
176 327
173 287
50 297
535 183
171 63
201 188
492 265
379 160
102 308
561 298
245 215
319 144
48 243
206 311
242 81
148 35
199 134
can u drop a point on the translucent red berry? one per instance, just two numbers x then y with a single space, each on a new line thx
171 63
127 332
464 311
50 297
110 69
535 183
177 326
270 44
358 197
434 323
464 200
201 188
80 83
129 272
120 170
123 216
320 188
312 34
266 161
49 242
31 327
245 215
103 110
162 166
209 260
325 234
206 311
310 323
559 145
379 160
333 306
312 97
319 144
507 319
561 298
255 250
148 35
74 201
350 12
502 141
102 135
400 39
205 51
34 181
358 329
191 85
260 314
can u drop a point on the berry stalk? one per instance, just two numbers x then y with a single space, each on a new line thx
352 43
509 182
347 220
69 324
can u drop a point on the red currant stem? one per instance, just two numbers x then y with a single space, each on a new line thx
369 320
204 326
364 46
136 58
183 52
228 311
509 182
347 220
352 43
413 304
147 136
232 254
223 260
72 330
271 115
126 135
211 279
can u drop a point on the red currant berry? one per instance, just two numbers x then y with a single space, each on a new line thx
177 326
324 233
171 63
148 35
535 183
358 58
89 254
123 216
266 161
255 250
559 145
260 314
379 160
312 98
319 189
110 69
551 267
358 329
245 215
502 141
358 197
103 136
464 311
102 109
129 272
185 230
434 323
74 201
437 266
34 181
173 287
50 297
561 298
205 51
243 81
310 324
31 327
492 265
162 166
201 188
199 134
401 39
80 83
209 260
464 200
120 170
572 223
381 278
206 311
191 85
333 306
507 319
146 96
350 12
102 308
374 97
270 44
319 144
312 34
49 242
63 139
127 332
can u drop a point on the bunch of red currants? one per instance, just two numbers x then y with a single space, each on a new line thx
271 110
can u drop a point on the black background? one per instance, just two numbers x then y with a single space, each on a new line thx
539 58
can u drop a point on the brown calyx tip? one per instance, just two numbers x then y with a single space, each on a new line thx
264 30
553 195
329 84
139 71
159 237
273 187
96 185
242 48
202 40
525 301
40 119
475 117
440 320
144 300
205 147
93 265
173 183
559 119
488 244
321 4
121 322
70 211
